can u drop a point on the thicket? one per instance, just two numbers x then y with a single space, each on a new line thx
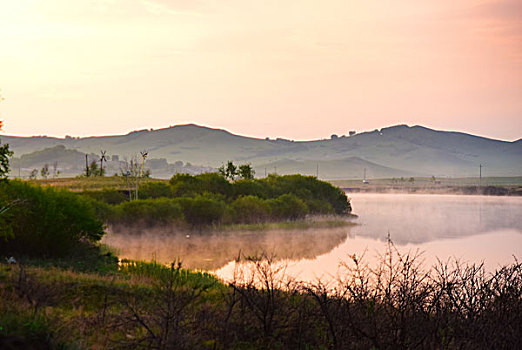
5 153
210 198
45 222
396 304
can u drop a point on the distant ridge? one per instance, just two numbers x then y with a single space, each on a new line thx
398 150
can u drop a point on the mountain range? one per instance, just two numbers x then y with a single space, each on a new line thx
394 151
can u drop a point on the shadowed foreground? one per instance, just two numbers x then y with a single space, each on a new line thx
395 305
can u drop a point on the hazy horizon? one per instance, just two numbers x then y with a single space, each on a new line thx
243 135
299 70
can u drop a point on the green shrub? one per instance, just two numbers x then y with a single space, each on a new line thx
309 187
256 188
185 185
202 210
250 209
102 210
318 206
155 190
45 221
148 211
288 207
214 183
109 196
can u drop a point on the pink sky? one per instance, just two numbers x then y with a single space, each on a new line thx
295 69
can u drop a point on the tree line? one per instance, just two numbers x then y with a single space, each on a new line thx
211 198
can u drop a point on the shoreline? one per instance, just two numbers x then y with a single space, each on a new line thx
303 224
511 191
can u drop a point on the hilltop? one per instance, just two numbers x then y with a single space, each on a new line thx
394 151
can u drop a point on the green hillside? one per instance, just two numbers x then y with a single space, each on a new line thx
394 151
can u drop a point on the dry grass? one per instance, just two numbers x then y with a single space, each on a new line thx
78 184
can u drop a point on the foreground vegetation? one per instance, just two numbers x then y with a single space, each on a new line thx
396 305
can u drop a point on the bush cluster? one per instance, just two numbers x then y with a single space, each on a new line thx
44 222
210 199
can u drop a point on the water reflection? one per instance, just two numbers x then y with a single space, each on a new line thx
473 228
210 251
494 249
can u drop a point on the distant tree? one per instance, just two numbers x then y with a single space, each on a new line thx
130 171
56 172
412 180
246 172
5 153
45 171
33 174
93 170
229 171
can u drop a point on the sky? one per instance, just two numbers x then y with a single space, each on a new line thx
299 69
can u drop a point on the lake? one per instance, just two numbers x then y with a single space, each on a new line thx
473 229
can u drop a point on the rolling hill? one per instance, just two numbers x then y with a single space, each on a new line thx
389 152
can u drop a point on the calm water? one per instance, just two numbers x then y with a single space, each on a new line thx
471 228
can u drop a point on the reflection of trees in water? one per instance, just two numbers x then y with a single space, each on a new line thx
212 251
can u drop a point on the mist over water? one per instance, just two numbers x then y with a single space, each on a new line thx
211 250
420 218
474 229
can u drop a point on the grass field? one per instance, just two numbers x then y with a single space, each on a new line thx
91 183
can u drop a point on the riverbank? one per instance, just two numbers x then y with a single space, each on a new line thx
464 190
309 222
489 186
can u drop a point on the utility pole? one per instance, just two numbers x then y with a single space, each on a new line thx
265 171
480 175
86 166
